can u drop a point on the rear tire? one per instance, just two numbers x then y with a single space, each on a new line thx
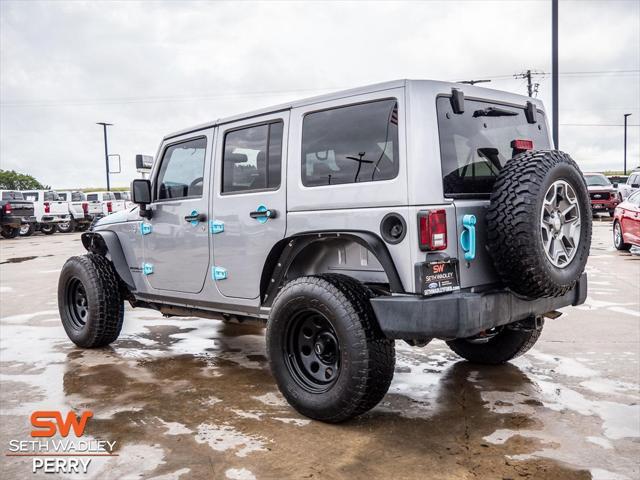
10 232
48 228
27 230
82 227
89 300
507 344
618 240
612 213
67 227
326 351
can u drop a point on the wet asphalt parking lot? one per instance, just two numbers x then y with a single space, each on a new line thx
193 398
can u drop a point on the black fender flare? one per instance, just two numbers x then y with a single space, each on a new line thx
286 250
107 244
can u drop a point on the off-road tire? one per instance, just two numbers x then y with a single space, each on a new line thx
49 229
71 225
367 358
28 232
10 232
508 344
619 244
104 303
514 240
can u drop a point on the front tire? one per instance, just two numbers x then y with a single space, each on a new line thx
496 346
49 228
618 240
89 300
328 356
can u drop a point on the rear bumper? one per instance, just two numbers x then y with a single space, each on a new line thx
463 314
55 218
16 220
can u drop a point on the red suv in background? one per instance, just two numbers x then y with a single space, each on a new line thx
604 196
626 223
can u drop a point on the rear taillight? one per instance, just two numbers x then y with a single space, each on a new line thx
47 207
85 208
432 230
8 208
109 207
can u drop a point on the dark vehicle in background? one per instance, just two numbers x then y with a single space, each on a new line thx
626 223
603 194
15 211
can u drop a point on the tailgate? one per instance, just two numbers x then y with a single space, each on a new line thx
95 208
21 209
479 271
58 208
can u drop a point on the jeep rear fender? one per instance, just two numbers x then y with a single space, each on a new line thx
107 244
284 253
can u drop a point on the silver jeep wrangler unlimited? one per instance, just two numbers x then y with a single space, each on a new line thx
406 210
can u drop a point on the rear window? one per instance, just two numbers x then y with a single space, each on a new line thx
108 196
12 196
77 197
92 197
62 196
51 197
475 145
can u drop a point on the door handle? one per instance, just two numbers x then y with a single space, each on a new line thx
195 217
262 213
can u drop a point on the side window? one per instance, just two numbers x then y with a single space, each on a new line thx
352 144
252 158
182 170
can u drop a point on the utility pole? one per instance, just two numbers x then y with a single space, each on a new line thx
532 88
626 115
554 72
106 150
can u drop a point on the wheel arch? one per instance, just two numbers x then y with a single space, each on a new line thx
285 253
107 244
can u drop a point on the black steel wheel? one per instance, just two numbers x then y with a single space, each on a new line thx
90 301
313 351
77 304
326 351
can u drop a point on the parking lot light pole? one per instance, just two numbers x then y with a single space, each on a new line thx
626 115
106 150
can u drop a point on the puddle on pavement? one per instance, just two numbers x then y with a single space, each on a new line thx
176 392
23 259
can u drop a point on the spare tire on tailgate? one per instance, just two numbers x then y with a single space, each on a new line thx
539 223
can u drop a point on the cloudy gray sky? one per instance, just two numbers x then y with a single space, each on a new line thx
154 67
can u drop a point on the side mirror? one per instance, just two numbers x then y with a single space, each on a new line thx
141 195
635 185
144 163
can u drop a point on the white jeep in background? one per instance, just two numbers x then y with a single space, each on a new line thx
110 204
48 209
82 212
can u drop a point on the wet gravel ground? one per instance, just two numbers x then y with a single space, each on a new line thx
193 398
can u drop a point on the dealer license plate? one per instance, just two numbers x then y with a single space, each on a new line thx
439 277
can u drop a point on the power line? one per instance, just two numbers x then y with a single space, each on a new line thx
168 98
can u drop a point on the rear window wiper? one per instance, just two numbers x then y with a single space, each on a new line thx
494 112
